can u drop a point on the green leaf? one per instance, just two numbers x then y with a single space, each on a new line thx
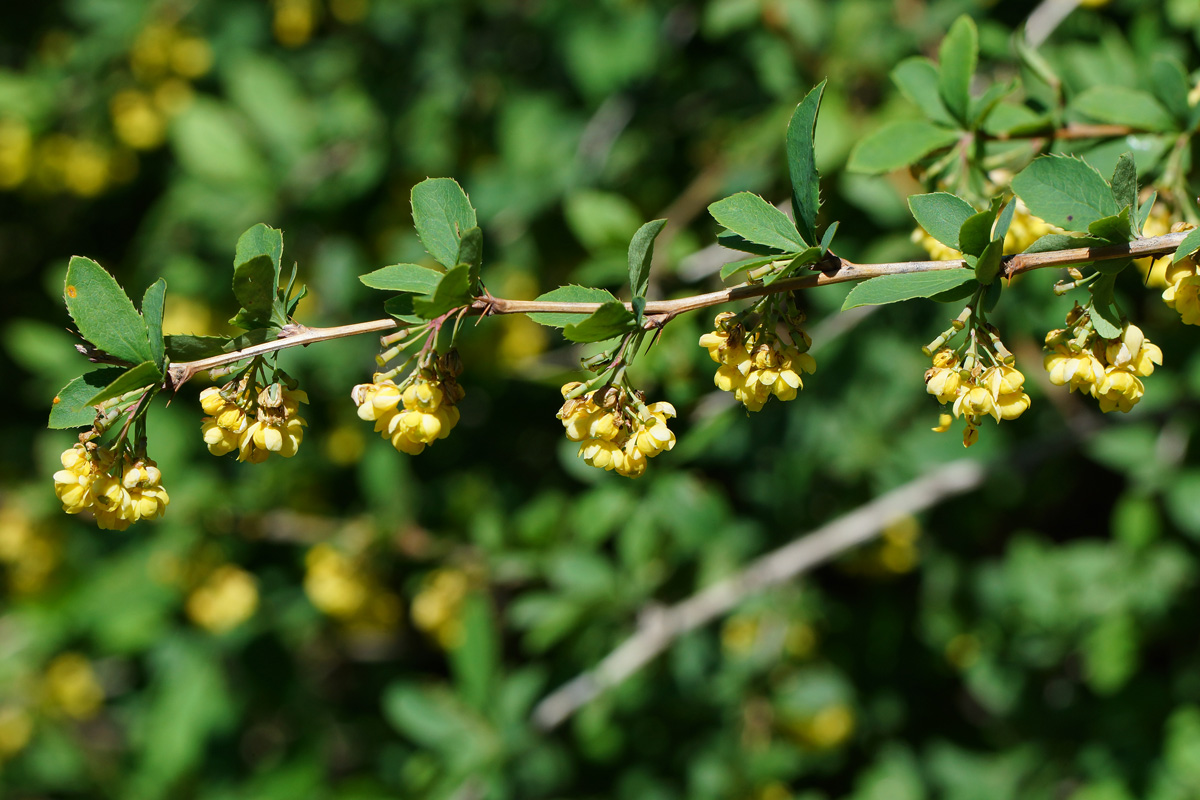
1189 245
827 238
441 214
802 164
734 267
433 717
957 293
475 661
988 265
1124 181
403 278
1065 191
103 313
941 214
1034 60
1103 312
1004 220
802 259
976 232
153 302
70 408
731 241
1122 106
756 220
980 107
470 252
569 294
256 276
1116 228
917 79
611 319
992 295
957 58
453 290
898 144
185 347
1170 85
401 307
144 374
895 288
641 253
1061 241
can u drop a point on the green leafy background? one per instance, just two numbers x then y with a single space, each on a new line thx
1033 639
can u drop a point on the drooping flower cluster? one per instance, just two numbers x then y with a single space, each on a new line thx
1110 370
276 427
417 413
757 364
119 490
975 392
615 429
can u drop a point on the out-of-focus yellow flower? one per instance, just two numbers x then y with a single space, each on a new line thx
437 607
16 729
62 162
344 445
172 96
70 687
294 21
136 121
349 12
739 634
828 728
190 56
226 599
341 587
16 153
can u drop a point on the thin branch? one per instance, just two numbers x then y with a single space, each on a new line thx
658 629
833 270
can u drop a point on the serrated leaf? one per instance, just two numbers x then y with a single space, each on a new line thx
144 374
453 291
896 288
731 241
185 347
261 241
1189 245
734 267
256 277
756 220
941 214
1065 191
611 319
153 303
957 58
898 144
1124 181
70 408
917 79
103 313
1113 229
470 252
1122 106
441 213
988 265
641 253
976 232
403 278
802 164
1170 85
569 294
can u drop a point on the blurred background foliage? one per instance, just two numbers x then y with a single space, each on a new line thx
354 623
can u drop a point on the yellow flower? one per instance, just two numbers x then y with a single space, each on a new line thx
429 411
1079 371
333 582
1006 385
227 598
70 686
1119 390
73 483
976 401
437 607
619 438
147 498
16 729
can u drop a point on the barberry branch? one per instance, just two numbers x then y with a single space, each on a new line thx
832 270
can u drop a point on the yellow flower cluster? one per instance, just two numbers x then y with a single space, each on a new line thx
975 393
277 427
413 417
164 60
227 598
616 431
1110 370
1024 230
437 607
756 365
1183 289
70 687
339 586
16 729
28 550
86 481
